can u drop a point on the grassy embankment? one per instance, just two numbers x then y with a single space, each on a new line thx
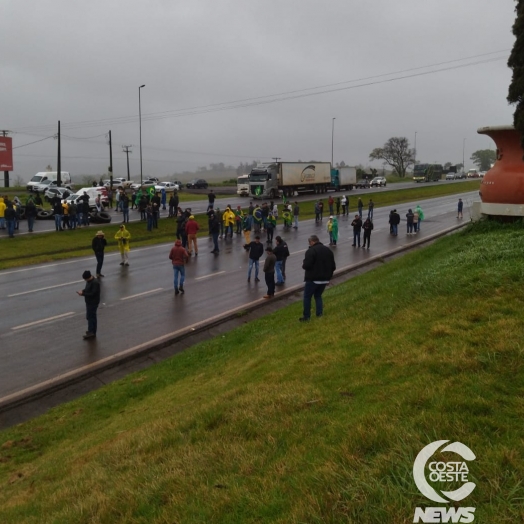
46 247
283 422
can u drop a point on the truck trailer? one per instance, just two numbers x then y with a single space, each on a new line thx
343 178
269 180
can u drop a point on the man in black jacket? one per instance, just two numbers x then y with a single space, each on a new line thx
319 265
256 250
91 293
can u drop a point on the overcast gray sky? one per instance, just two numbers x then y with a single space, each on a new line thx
82 63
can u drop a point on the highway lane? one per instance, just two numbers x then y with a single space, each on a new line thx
43 318
200 206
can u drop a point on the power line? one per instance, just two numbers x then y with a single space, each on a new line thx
287 95
41 140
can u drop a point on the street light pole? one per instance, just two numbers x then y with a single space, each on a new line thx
140 128
463 158
415 163
332 139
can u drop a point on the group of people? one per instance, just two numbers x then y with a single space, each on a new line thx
10 213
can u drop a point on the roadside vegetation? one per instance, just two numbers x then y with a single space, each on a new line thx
46 247
279 421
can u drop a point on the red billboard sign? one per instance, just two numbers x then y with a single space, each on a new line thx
6 153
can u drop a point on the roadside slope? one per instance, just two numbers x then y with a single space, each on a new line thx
283 422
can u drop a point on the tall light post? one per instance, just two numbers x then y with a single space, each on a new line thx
415 162
332 139
463 158
140 127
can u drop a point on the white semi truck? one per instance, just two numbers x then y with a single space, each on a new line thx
343 178
269 180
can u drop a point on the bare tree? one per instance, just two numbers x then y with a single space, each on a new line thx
396 153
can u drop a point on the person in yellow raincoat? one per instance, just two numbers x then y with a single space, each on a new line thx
229 220
123 236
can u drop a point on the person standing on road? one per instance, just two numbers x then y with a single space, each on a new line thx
30 214
269 272
10 219
395 221
123 236
281 252
415 221
367 227
344 204
357 226
337 203
334 231
409 220
192 228
330 230
229 220
420 217
57 209
110 197
3 207
247 225
331 201
91 294
256 250
460 207
296 212
319 266
98 244
214 230
360 205
210 200
371 207
124 204
179 257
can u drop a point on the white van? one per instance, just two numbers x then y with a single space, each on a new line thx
48 175
243 185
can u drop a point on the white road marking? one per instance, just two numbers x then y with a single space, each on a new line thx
45 288
144 293
36 322
210 275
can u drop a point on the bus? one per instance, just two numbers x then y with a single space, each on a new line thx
427 172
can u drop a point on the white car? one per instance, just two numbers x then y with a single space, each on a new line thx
42 187
168 186
378 181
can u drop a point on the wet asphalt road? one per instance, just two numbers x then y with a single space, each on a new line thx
43 318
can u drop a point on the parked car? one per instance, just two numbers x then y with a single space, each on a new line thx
378 181
473 173
363 183
62 192
92 193
42 187
198 183
179 184
451 176
145 183
460 175
168 186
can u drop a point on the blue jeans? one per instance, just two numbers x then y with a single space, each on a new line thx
394 227
370 213
2 223
296 220
278 271
179 272
58 221
91 317
125 212
251 263
215 241
149 222
30 223
356 238
10 227
313 290
99 262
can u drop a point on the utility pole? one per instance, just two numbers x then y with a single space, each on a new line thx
276 158
415 163
59 160
463 149
110 169
126 150
6 173
332 138
140 124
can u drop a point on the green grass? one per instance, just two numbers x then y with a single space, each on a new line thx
278 421
47 247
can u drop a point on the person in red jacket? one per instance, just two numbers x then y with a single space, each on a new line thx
191 230
179 256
